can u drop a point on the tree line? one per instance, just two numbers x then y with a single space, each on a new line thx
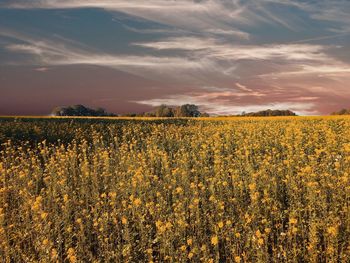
186 110
80 110
270 113
342 112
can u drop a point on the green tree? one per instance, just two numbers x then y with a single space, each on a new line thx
187 110
164 111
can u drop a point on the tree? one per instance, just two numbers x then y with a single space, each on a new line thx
79 110
270 113
58 111
342 112
187 110
164 111
101 112
149 114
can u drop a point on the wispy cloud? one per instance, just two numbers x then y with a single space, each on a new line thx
215 16
205 58
212 48
57 53
222 48
226 104
221 17
208 16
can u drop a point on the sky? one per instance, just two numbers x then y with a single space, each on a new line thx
226 56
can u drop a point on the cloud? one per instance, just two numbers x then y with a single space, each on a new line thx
210 47
222 17
59 52
43 69
180 43
207 44
237 33
222 104
219 17
212 16
243 87
337 69
252 70
230 100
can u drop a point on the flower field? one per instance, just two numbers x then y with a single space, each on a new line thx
175 190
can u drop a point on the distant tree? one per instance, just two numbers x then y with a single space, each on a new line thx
164 111
101 112
342 112
79 110
149 114
130 115
204 114
187 110
270 113
58 111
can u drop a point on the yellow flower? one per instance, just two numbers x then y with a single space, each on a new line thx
113 195
72 259
221 224
71 255
258 233
54 253
252 187
214 240
189 241
293 221
178 190
168 225
43 215
332 231
137 202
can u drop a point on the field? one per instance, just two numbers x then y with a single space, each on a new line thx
175 190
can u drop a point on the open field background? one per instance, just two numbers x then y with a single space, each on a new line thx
175 190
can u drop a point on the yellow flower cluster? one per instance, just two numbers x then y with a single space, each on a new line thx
175 190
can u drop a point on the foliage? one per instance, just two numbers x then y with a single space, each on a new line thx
164 111
269 113
342 112
79 110
187 110
175 190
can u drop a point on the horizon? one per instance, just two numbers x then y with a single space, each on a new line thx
226 56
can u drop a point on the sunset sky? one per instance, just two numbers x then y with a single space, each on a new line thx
227 56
